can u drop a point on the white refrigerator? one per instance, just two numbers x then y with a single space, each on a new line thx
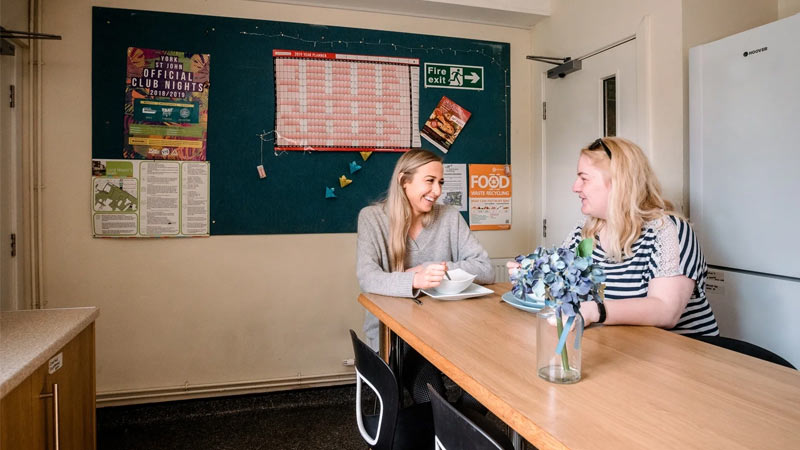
744 164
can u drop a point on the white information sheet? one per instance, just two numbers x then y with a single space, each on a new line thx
454 191
146 198
159 214
194 207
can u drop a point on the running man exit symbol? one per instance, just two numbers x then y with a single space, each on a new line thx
453 76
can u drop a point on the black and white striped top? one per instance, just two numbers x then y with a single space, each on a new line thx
665 248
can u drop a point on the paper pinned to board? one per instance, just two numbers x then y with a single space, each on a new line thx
454 190
147 198
489 197
444 124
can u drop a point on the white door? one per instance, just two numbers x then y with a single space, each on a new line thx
577 113
10 179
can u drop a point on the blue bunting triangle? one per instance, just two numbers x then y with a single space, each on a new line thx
329 192
354 167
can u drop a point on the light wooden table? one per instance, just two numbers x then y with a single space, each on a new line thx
641 387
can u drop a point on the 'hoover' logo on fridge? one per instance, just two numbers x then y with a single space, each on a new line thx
752 52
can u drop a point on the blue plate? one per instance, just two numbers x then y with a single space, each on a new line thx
509 298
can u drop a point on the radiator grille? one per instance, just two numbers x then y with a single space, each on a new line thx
500 271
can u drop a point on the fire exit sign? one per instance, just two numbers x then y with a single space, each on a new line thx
453 76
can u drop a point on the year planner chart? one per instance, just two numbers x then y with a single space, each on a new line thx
344 102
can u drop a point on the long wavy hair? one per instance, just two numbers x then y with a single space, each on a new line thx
635 197
398 208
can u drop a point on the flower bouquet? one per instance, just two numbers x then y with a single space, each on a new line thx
562 279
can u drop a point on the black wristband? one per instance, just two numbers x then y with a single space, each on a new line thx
601 308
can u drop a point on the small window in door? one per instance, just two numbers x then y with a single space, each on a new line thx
610 106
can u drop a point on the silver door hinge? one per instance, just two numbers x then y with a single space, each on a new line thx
544 110
11 95
544 228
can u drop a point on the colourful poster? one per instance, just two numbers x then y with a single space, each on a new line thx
166 105
489 197
444 124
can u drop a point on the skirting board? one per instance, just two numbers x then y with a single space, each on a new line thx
132 397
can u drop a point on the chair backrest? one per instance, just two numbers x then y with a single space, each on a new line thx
454 431
375 373
745 348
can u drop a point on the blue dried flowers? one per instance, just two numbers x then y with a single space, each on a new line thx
559 277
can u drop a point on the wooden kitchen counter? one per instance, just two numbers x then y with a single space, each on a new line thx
29 338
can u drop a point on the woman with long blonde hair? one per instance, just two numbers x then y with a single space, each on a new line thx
656 272
407 241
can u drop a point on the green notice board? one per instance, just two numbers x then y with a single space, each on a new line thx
291 199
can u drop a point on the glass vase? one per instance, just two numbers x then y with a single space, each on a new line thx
563 368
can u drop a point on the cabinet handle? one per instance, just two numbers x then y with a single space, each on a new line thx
55 410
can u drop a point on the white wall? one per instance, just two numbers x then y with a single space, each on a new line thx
788 8
227 309
14 15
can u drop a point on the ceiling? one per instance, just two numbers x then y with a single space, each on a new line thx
510 13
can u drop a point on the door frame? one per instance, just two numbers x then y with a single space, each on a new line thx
644 105
11 173
27 171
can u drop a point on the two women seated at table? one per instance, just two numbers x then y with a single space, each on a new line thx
655 269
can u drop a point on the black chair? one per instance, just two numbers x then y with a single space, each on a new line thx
745 348
393 428
464 431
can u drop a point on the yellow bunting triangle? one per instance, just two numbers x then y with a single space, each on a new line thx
365 155
343 181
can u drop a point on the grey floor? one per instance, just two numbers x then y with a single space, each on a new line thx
321 418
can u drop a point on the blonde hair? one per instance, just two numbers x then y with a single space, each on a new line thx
634 199
398 208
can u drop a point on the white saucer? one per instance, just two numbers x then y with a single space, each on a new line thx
474 290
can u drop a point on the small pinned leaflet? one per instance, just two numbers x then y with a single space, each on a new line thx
261 172
354 167
343 181
329 192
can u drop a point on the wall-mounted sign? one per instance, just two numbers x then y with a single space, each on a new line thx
453 76
166 105
489 197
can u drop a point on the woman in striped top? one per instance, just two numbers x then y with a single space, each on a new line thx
655 269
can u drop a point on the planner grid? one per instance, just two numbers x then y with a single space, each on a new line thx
341 102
